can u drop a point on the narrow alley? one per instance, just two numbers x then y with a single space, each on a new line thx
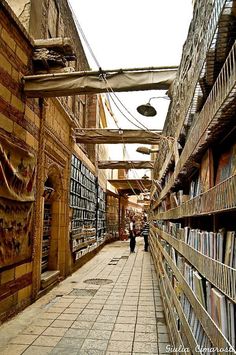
111 305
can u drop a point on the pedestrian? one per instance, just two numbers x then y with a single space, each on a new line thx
145 233
132 235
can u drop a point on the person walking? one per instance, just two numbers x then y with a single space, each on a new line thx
145 233
132 235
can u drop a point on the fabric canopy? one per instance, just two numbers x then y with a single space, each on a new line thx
65 84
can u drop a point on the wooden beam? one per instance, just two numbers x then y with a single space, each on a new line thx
63 45
116 136
122 164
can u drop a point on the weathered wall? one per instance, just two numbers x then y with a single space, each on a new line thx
19 123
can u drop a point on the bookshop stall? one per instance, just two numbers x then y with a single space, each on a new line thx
112 214
83 202
101 215
193 197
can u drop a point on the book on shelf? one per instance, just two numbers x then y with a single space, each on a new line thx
208 296
226 164
229 248
231 322
206 171
198 288
218 310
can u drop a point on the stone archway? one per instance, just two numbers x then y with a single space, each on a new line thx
51 231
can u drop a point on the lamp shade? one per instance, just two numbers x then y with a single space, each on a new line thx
147 110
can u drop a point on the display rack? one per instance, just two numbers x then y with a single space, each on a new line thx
112 214
101 215
83 201
193 207
46 236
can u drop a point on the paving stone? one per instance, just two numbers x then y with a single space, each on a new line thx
76 311
67 316
13 349
106 319
145 320
122 327
76 333
87 317
91 344
99 334
54 331
103 326
38 350
34 329
82 325
49 315
109 312
91 352
46 340
24 339
127 320
122 336
145 347
62 323
146 337
120 346
146 328
42 322
55 310
88 311
75 343
64 351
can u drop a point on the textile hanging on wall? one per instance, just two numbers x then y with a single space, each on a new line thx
17 172
15 231
17 181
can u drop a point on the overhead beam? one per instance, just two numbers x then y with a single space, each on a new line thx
129 186
122 164
96 82
116 136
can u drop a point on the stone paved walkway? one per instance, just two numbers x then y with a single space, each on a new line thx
109 306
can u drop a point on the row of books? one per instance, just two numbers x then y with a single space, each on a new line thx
220 246
221 309
83 214
197 330
82 191
77 165
78 203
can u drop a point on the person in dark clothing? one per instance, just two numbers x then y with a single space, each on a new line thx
132 235
145 233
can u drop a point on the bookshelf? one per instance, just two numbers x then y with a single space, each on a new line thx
101 214
46 236
193 197
112 214
83 201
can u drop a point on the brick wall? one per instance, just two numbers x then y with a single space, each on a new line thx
19 122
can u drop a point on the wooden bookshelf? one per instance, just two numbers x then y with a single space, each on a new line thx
166 285
196 184
211 329
83 201
203 130
218 199
219 274
101 214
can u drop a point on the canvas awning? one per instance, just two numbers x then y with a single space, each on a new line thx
65 84
116 136
131 186
122 164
